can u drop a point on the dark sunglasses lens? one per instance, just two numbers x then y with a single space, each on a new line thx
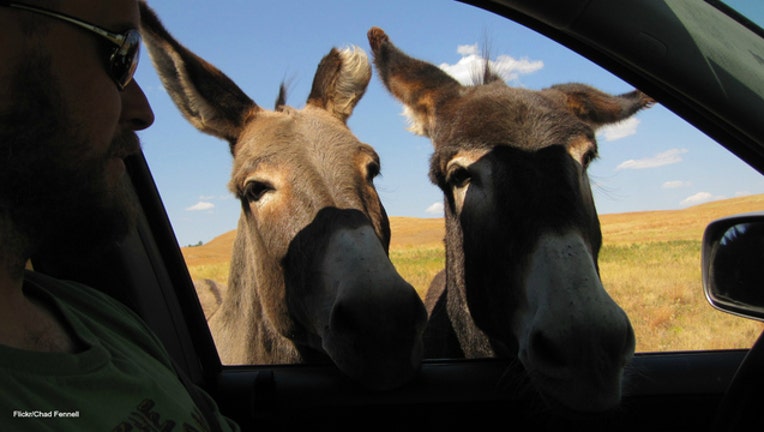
124 60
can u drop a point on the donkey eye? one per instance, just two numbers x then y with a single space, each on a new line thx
458 177
372 170
588 158
254 190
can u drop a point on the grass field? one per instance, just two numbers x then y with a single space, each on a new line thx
650 264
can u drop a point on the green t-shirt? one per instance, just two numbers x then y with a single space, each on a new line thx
123 380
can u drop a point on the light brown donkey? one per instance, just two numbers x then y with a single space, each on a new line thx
522 232
310 279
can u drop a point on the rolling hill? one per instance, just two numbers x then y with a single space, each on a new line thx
636 227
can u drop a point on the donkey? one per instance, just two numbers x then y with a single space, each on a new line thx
310 277
522 234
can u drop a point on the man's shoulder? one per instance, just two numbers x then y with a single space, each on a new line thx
97 313
75 294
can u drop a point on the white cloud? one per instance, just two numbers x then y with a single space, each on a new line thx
668 157
467 50
435 208
472 64
619 130
700 197
676 184
200 206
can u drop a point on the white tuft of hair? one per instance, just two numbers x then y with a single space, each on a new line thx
354 77
416 122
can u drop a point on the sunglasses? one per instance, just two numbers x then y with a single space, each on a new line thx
123 60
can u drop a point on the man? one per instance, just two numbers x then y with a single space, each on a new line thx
70 357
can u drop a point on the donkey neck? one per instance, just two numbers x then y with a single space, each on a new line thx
473 341
246 327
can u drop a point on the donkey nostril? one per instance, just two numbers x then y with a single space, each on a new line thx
546 350
343 317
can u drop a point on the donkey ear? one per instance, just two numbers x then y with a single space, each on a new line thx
420 86
340 81
206 97
598 108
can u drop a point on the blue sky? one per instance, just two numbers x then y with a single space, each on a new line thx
654 161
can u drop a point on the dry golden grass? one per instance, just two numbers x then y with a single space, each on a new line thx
410 232
659 286
217 251
416 249
650 264
687 224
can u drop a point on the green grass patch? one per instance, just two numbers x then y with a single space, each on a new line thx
419 265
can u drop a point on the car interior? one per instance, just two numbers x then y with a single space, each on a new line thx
653 45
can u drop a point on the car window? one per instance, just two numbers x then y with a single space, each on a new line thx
748 11
656 183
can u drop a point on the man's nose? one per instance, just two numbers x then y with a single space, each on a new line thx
136 111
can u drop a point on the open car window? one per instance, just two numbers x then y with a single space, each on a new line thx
658 181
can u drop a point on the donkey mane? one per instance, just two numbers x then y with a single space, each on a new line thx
485 74
282 97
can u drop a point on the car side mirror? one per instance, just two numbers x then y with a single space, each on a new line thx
733 265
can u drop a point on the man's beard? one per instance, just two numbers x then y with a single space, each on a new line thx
56 193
